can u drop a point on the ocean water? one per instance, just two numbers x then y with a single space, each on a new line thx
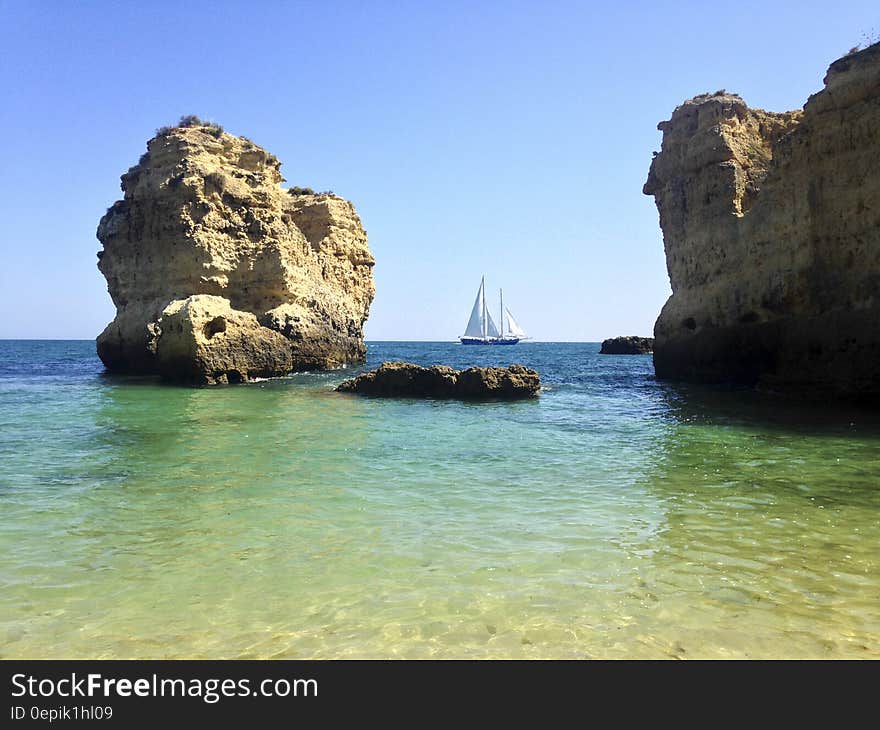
612 517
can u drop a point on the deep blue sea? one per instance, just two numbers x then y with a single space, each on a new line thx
614 516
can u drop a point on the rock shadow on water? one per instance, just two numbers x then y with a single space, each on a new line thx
746 407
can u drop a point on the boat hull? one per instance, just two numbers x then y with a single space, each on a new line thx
489 340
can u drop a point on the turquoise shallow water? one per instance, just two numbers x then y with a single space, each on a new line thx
612 517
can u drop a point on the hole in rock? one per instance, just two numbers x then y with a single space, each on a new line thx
216 325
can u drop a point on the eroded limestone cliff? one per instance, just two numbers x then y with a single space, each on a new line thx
771 225
220 275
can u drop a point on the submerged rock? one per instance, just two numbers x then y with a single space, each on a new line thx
771 224
220 275
395 379
627 346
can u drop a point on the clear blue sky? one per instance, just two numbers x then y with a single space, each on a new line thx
510 139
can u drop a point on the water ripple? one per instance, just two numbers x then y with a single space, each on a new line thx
614 516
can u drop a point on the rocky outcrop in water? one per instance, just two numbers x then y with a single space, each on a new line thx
220 275
771 224
627 346
397 379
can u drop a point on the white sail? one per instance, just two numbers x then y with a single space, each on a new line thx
491 329
512 327
475 323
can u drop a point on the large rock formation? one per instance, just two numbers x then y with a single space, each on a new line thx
771 224
220 275
396 379
630 345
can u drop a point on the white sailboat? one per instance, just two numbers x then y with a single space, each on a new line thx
481 329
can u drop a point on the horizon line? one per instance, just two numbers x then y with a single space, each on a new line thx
449 342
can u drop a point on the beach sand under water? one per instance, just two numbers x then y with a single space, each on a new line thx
613 517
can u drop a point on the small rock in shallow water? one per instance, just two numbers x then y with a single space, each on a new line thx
627 346
394 379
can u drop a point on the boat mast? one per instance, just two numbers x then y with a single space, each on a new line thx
485 312
501 294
